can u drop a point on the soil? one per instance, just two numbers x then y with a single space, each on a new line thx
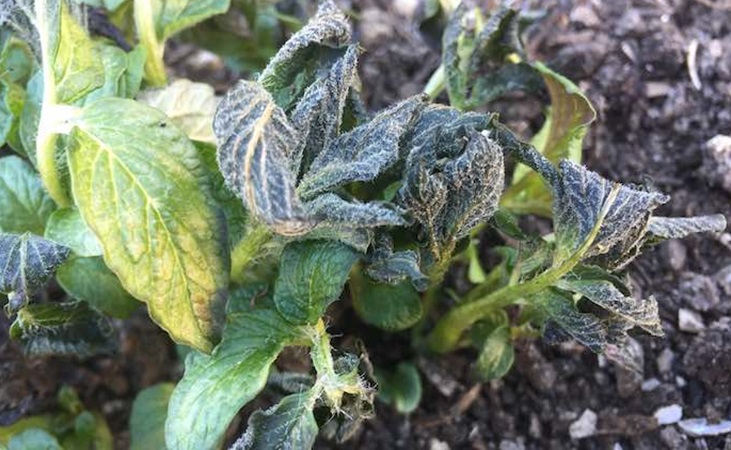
654 123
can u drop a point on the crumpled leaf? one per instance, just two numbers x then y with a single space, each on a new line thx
391 267
580 195
62 329
680 227
311 276
333 211
28 261
295 66
289 425
255 140
24 203
586 328
189 105
216 386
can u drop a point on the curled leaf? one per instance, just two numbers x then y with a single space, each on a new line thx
680 227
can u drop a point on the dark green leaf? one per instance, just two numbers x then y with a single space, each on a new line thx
290 425
24 203
142 188
311 277
62 329
147 422
67 227
390 307
401 388
216 386
89 279
28 261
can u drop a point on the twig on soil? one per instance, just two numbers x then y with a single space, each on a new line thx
693 65
463 404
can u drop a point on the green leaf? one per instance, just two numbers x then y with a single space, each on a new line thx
30 115
496 354
34 439
400 388
40 422
298 61
311 277
89 279
189 105
28 261
390 307
140 185
67 227
122 72
16 66
255 140
216 386
147 422
24 203
289 425
62 329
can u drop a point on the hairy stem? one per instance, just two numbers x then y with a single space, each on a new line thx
448 331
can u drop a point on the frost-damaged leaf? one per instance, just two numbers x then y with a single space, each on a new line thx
390 307
24 203
189 105
67 227
363 153
255 141
451 185
643 313
89 279
319 113
289 425
147 422
560 138
311 277
140 185
585 328
330 210
680 227
27 262
62 329
580 196
391 267
400 388
216 386
296 64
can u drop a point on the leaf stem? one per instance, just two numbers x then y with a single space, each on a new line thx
437 83
144 22
448 331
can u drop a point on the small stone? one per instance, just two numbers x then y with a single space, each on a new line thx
701 427
690 321
699 291
650 384
680 382
672 438
665 361
585 15
585 426
506 444
669 414
717 161
676 254
436 444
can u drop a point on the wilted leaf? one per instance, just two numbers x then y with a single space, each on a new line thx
28 261
89 279
330 210
141 186
311 277
296 64
585 328
289 425
67 227
390 307
255 141
216 386
190 106
147 422
391 267
400 388
24 203
62 329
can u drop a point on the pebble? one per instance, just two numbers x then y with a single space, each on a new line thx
717 161
585 426
669 414
436 444
690 321
665 361
701 427
511 445
650 384
699 291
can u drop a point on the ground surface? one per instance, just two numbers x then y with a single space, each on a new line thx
631 58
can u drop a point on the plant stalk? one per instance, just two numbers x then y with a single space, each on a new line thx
154 65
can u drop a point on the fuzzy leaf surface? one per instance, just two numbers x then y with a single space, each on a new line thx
189 105
67 227
289 425
62 329
391 267
216 386
585 328
311 276
141 187
24 203
680 227
147 422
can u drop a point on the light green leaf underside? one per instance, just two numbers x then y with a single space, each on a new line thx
24 204
147 422
67 227
141 186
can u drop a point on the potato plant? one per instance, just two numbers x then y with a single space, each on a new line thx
238 220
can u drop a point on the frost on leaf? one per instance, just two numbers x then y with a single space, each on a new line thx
680 227
562 313
27 262
392 267
453 179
